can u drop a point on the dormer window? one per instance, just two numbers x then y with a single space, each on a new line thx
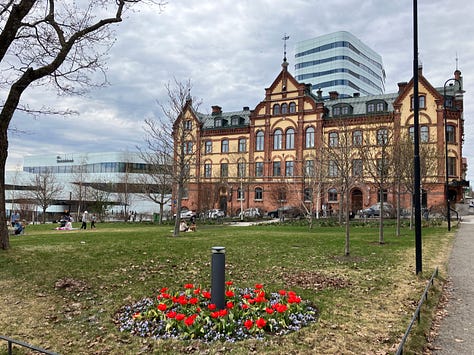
376 106
342 110
237 120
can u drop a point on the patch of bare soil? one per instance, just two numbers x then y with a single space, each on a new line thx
314 280
71 285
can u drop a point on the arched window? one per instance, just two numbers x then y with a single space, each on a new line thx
284 109
333 139
290 139
208 169
450 134
259 141
277 139
258 193
276 109
292 107
309 137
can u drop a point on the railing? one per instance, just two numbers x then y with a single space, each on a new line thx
416 315
24 345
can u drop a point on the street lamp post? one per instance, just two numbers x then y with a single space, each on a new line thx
445 119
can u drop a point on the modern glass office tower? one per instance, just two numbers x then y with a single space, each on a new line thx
339 62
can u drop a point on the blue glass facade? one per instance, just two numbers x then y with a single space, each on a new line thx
339 62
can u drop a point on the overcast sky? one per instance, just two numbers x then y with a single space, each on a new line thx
231 51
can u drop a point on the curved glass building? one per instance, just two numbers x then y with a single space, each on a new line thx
339 62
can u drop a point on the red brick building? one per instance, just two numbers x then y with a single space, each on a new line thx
288 149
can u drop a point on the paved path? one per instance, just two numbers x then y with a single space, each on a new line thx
456 332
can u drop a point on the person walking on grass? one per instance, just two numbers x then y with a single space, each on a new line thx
84 220
93 218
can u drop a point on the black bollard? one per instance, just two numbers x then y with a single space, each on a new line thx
218 277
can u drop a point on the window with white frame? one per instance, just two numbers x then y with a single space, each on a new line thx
225 146
241 169
207 170
277 139
208 148
309 137
290 139
242 145
289 166
259 168
259 141
276 168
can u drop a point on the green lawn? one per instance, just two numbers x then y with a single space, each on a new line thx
61 289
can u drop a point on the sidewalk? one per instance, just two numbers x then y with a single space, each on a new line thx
456 332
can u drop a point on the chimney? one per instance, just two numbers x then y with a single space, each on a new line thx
420 69
216 110
356 94
320 94
333 95
401 86
457 75
246 108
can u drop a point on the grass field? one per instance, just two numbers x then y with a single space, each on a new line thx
60 290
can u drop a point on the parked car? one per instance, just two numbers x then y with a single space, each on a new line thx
374 211
251 213
215 213
185 214
287 211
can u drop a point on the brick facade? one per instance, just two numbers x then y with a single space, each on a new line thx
272 143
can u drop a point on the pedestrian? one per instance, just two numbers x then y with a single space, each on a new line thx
93 218
84 220
14 218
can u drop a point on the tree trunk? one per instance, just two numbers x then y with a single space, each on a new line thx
347 217
4 237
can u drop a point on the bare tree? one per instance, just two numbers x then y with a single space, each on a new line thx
173 138
340 152
156 181
46 190
49 42
124 189
80 188
377 154
100 195
403 156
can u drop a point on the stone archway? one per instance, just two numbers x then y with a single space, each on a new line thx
356 200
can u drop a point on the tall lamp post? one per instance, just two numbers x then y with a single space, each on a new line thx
445 117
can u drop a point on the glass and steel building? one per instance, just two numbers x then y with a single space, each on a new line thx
116 177
339 62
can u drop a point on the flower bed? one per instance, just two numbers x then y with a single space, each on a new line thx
189 314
